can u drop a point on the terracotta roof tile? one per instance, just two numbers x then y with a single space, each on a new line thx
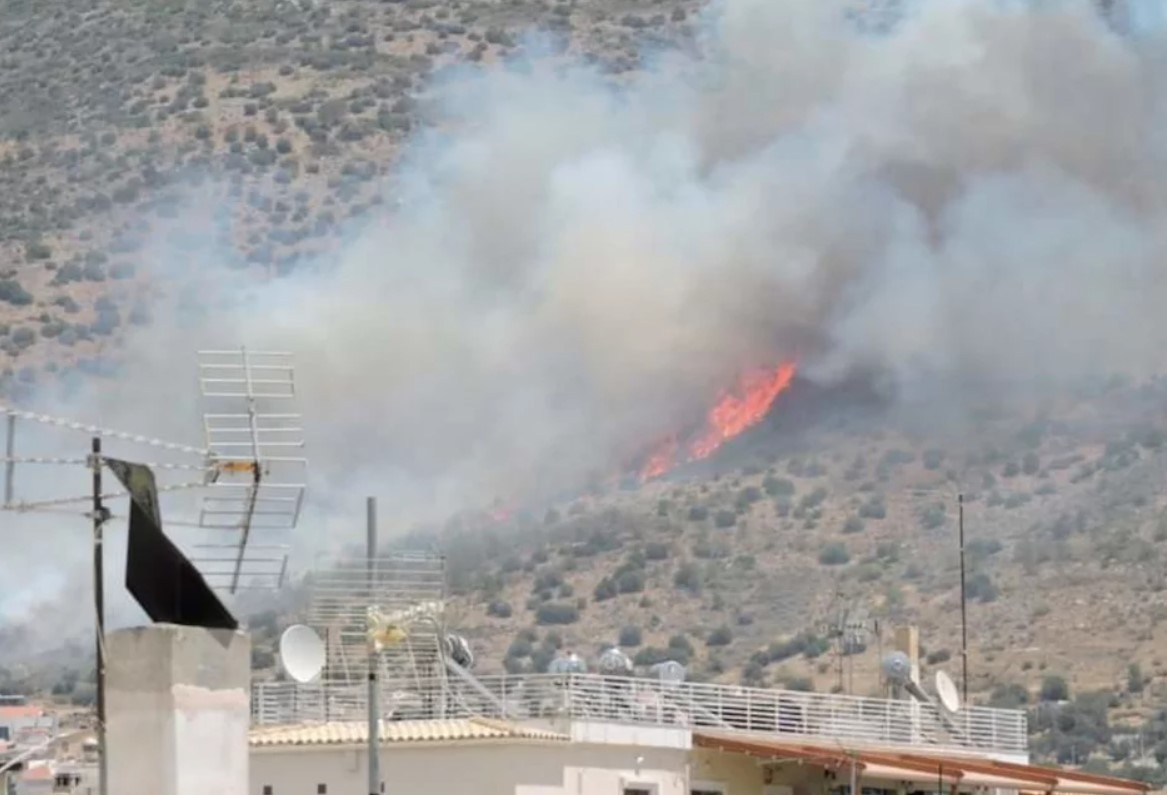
404 731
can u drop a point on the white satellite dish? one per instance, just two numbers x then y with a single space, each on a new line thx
670 672
301 653
947 693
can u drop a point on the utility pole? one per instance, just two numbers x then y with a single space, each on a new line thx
374 700
99 518
963 602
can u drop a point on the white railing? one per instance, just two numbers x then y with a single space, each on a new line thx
650 702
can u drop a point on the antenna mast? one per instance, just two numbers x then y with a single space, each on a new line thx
963 602
374 688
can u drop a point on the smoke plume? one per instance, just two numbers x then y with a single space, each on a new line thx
568 266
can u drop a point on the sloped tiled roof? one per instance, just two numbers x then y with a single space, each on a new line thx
21 711
900 765
402 731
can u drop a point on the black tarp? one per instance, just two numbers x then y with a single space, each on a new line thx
162 580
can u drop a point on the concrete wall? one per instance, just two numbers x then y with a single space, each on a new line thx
177 711
499 768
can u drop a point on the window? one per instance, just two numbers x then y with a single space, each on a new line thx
321 789
267 789
636 790
706 788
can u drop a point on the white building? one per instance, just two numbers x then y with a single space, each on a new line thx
476 755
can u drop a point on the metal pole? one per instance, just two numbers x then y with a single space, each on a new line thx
963 602
374 705
10 462
99 603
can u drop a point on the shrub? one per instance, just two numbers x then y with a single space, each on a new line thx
37 251
605 589
933 516
725 518
630 636
14 293
656 550
722 636
698 513
520 647
688 578
1054 688
853 525
778 487
556 613
1135 681
835 554
499 609
981 588
630 581
874 508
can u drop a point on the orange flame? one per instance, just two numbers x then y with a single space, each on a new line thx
732 414
661 460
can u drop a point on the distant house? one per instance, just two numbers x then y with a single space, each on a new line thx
35 779
21 721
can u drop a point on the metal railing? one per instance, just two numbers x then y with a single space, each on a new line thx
651 702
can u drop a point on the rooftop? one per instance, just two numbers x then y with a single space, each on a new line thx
20 711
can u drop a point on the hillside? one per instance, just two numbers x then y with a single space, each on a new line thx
286 114
284 120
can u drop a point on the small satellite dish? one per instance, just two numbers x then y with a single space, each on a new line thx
614 662
458 650
669 672
569 664
301 653
946 692
897 667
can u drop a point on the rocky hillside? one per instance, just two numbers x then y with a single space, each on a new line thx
285 112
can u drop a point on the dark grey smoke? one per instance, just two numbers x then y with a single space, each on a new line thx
970 202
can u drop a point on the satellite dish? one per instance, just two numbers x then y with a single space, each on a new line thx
897 668
458 650
301 653
946 692
669 672
569 664
614 662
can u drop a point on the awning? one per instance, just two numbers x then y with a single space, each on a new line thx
893 765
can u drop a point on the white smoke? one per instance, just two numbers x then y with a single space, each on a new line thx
575 267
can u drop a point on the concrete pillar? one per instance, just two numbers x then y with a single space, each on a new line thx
177 710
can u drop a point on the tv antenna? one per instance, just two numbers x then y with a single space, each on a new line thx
384 624
253 489
849 630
